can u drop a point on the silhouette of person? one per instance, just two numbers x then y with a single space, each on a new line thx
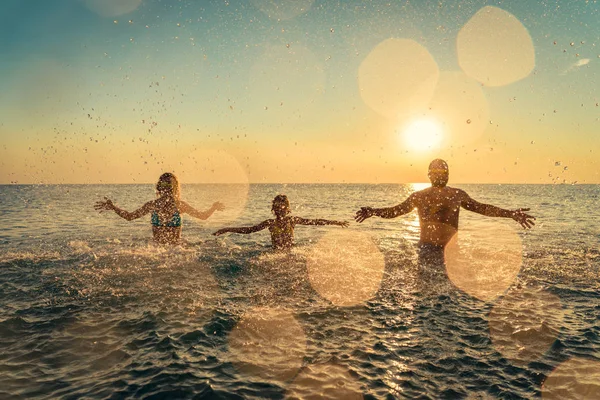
282 227
438 207
166 210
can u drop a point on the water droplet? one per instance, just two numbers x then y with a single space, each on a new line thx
468 121
557 163
572 44
533 142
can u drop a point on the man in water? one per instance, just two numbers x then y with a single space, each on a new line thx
438 208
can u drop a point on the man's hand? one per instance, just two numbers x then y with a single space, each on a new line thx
105 205
364 213
525 220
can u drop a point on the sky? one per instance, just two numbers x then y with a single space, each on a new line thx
295 91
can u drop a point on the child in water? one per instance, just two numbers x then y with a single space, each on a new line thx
166 210
282 227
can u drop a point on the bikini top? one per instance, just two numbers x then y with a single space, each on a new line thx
174 222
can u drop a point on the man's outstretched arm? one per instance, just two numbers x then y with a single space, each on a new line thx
489 210
388 212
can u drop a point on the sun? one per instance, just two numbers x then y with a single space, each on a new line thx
422 135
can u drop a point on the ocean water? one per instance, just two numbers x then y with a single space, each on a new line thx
90 308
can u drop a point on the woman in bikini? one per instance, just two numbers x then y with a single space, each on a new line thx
166 210
282 227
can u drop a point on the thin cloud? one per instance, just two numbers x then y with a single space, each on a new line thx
580 63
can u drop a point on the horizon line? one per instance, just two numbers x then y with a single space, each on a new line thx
299 183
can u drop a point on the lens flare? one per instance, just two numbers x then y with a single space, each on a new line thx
525 323
398 78
461 108
329 381
495 48
422 135
346 268
576 378
285 81
486 262
268 343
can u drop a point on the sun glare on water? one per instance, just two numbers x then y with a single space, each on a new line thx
422 135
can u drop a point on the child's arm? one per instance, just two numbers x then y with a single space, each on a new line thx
245 229
186 208
304 221
107 205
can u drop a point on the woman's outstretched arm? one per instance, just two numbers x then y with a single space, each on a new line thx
108 205
186 208
245 229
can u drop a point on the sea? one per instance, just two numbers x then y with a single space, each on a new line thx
91 308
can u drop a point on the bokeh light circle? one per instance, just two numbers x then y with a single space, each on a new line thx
576 378
112 8
268 343
437 233
460 106
495 48
285 80
222 179
397 78
329 381
345 267
486 262
525 323
283 9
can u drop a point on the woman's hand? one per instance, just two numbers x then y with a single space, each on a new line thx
218 206
525 220
220 232
106 205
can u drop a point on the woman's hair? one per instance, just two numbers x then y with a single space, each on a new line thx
168 185
281 202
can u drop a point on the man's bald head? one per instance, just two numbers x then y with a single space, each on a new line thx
438 173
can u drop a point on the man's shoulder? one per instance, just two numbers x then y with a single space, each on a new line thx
456 192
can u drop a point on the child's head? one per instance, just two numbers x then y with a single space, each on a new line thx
281 205
168 185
